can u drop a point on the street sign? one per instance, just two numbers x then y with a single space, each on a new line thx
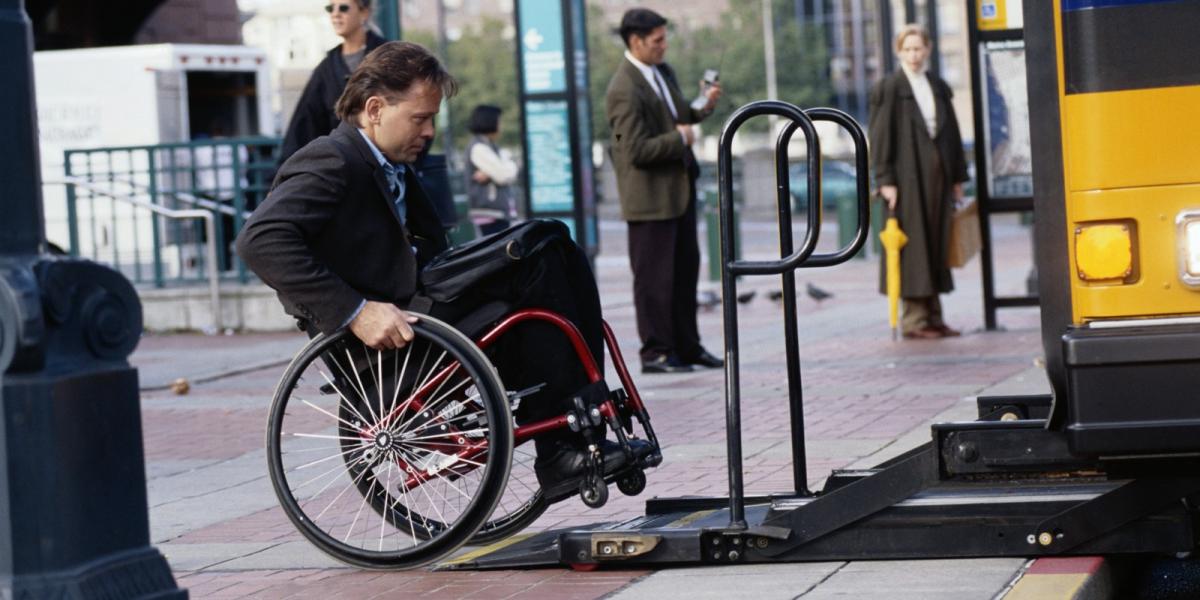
556 116
542 57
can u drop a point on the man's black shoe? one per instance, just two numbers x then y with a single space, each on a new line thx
665 363
559 475
706 360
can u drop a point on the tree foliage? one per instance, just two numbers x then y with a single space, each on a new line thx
484 62
485 65
735 47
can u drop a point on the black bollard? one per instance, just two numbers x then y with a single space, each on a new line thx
73 515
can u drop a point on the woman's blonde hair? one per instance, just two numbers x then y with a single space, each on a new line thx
911 29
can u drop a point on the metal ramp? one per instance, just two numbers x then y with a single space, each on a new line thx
1040 516
1006 485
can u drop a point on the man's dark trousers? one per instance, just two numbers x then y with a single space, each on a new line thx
665 256
533 353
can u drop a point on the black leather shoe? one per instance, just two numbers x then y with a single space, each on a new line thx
560 474
706 360
665 363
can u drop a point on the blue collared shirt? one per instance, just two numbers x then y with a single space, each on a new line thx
395 178
394 174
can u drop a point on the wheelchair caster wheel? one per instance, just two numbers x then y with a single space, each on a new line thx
593 491
632 483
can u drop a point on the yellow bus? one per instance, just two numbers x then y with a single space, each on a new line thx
1115 124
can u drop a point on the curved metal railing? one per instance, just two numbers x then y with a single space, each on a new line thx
790 260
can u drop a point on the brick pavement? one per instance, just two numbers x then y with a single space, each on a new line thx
214 516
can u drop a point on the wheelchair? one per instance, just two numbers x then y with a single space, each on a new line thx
395 459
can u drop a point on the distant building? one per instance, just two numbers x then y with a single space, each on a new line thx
70 24
192 22
296 36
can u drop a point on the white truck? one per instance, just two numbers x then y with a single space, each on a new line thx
137 96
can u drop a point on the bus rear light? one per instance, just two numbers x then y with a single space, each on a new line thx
1189 247
1104 251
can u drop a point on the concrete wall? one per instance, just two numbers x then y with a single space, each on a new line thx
251 307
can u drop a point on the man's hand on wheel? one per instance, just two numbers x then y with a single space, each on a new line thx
383 326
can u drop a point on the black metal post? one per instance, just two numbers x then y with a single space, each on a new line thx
910 11
886 31
935 34
839 54
858 38
73 517
21 229
733 396
791 327
387 18
444 49
982 193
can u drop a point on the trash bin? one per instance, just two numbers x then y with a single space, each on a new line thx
847 218
712 219
847 215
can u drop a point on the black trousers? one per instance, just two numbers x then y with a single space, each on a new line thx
665 257
536 352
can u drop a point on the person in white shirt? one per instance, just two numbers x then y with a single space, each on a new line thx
920 167
491 172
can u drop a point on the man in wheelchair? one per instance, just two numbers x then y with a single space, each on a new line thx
346 229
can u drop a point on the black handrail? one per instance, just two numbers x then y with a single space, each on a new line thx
862 174
785 266
725 188
791 325
730 269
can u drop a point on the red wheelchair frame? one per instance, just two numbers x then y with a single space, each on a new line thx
617 413
436 434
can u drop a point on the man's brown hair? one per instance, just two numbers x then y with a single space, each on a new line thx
390 71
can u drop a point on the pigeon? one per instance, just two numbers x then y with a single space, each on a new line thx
816 293
707 299
746 297
775 295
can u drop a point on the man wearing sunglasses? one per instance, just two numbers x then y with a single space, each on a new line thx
314 115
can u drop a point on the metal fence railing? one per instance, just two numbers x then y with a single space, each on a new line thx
134 207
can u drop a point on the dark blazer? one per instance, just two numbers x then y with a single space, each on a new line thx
924 169
327 237
649 156
314 116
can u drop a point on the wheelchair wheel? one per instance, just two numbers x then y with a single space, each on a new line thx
390 459
522 502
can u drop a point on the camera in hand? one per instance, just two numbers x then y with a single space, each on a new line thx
711 77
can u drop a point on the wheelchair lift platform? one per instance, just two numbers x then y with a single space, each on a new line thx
1017 482
975 491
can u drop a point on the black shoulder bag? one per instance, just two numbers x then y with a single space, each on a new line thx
457 269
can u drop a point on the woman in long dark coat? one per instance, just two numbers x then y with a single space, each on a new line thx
919 166
314 115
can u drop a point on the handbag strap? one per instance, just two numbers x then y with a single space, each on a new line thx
420 303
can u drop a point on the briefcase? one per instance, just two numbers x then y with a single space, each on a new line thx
965 239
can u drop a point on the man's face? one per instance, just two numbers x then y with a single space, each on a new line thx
652 48
402 129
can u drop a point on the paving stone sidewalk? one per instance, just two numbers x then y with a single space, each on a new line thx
215 517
